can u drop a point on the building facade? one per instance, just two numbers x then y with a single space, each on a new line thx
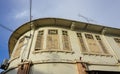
61 46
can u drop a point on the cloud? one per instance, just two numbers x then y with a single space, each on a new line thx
22 14
55 8
66 9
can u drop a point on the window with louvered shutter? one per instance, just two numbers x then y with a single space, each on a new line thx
18 49
52 40
93 46
66 41
101 43
89 36
39 41
117 40
81 42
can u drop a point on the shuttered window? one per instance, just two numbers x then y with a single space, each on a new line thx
89 36
66 41
39 41
81 42
52 40
92 44
117 40
18 49
101 43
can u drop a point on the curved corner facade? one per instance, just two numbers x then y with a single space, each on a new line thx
60 46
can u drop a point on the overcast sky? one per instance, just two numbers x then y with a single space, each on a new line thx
14 13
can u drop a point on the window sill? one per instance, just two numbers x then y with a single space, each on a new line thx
97 54
50 51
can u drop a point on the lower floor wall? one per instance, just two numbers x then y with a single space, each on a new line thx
55 68
49 68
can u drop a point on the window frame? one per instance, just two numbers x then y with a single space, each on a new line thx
40 36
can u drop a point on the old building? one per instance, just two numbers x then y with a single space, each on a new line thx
60 46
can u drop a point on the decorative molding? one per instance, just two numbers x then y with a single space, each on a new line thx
73 26
103 30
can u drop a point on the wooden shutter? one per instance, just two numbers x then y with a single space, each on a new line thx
94 48
81 42
52 40
102 45
39 41
66 41
18 49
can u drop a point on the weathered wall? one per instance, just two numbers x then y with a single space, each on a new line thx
52 56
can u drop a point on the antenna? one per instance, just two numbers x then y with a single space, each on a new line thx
87 19
30 10
31 24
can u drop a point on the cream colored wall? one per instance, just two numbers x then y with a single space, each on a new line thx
52 55
61 57
74 54
104 68
14 62
114 46
14 71
54 68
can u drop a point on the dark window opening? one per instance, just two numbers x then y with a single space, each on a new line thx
52 32
89 36
79 35
65 33
98 37
103 72
117 40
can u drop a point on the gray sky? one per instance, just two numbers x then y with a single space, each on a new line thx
14 13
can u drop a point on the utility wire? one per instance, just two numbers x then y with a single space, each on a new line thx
10 30
6 28
31 25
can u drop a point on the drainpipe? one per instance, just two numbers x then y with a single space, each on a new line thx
31 36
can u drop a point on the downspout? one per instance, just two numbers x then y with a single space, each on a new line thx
31 36
32 27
